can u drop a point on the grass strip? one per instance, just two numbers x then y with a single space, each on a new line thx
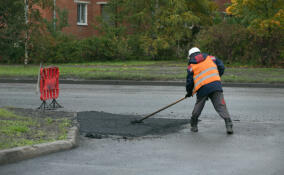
16 130
143 70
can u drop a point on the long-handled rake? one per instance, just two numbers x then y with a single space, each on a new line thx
141 120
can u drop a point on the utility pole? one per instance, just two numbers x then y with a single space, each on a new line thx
54 15
26 34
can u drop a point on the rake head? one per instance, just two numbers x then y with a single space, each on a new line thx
136 121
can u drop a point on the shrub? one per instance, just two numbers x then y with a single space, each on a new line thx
233 43
57 48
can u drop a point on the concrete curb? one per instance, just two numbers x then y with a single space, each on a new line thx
145 83
26 152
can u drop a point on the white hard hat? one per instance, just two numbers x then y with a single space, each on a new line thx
193 50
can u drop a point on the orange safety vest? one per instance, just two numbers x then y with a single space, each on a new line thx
204 73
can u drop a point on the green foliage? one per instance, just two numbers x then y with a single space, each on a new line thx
51 45
55 26
155 28
261 16
252 32
35 26
235 43
14 32
12 26
228 42
265 21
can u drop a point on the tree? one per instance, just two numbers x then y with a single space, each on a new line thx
19 20
12 26
159 27
262 16
265 19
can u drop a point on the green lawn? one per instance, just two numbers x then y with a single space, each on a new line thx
17 130
143 70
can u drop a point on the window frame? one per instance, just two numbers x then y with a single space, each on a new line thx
85 5
102 5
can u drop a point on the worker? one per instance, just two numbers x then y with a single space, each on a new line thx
203 77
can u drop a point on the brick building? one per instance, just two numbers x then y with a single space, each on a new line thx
82 13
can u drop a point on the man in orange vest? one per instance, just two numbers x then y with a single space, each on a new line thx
203 77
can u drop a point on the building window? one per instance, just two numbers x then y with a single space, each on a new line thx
82 13
105 13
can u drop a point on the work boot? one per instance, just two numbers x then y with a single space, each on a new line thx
229 125
193 123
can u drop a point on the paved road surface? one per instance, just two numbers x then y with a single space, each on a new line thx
257 147
260 104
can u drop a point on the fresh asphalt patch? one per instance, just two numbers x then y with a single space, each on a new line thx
101 124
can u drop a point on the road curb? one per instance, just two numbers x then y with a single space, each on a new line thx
144 83
26 152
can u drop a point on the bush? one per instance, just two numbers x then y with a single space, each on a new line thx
12 53
227 42
233 43
52 48
61 48
269 48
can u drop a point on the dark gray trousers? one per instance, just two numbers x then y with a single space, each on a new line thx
217 99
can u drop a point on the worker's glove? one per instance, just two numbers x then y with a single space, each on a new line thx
188 95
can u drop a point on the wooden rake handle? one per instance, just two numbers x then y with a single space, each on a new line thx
139 121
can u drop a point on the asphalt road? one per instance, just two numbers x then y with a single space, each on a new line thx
257 147
253 104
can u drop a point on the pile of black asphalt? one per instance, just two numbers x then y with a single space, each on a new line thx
101 124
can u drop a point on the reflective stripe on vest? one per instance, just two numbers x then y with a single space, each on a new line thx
204 73
204 78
